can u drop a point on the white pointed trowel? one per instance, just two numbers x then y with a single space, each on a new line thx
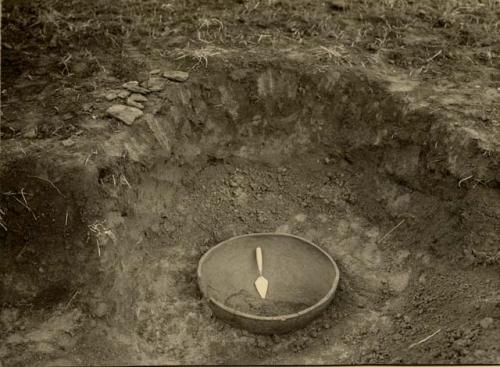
261 283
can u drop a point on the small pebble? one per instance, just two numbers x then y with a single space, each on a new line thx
68 142
101 309
30 133
87 107
155 84
67 116
123 94
135 104
115 93
111 96
135 99
486 322
138 97
261 343
134 87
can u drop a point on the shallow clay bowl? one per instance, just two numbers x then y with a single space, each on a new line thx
302 282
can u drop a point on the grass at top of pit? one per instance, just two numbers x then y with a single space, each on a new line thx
410 34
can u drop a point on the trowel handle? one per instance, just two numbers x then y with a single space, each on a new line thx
258 255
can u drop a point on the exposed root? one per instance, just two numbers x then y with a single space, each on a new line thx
392 230
464 179
71 300
2 224
89 156
102 234
50 182
424 339
24 203
20 254
124 180
200 55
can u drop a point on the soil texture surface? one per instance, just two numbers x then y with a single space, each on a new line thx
137 135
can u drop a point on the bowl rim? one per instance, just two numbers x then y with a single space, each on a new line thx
284 317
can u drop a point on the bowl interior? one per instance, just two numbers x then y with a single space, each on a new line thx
299 274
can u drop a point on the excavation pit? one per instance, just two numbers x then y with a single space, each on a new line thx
331 156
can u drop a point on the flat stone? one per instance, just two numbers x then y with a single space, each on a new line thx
486 322
135 99
134 87
123 94
155 84
126 114
135 104
138 97
176 75
115 93
155 71
111 96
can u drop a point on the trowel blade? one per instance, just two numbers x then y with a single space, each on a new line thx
261 284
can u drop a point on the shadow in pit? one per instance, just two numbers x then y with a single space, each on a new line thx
45 251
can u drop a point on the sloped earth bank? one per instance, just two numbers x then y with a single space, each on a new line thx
99 260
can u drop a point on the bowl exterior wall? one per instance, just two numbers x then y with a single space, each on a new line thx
268 327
